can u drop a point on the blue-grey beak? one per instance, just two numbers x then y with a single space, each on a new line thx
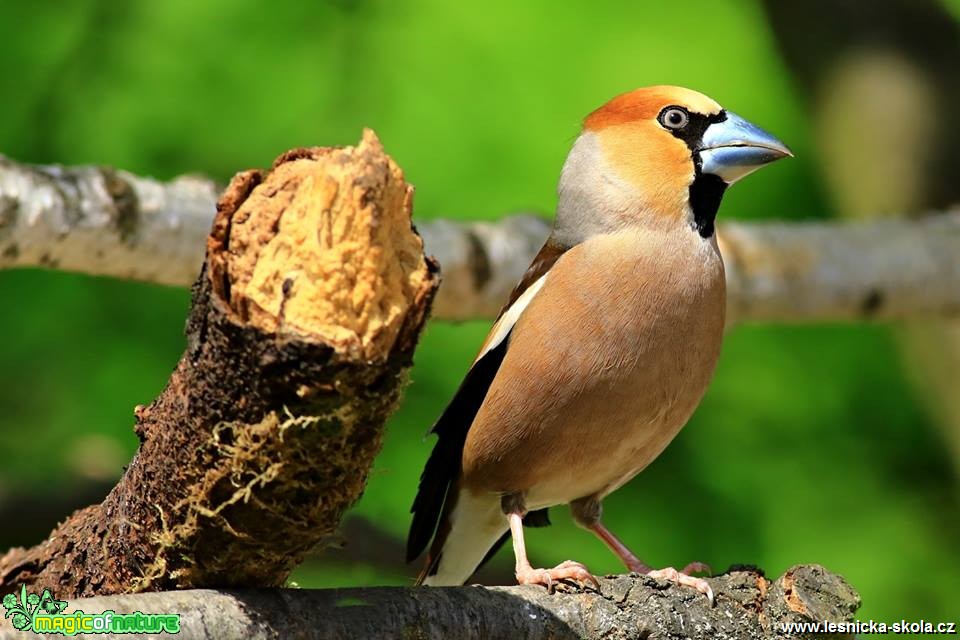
734 147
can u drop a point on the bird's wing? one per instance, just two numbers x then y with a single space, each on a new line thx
548 255
443 466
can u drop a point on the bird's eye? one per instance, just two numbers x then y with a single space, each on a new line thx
674 118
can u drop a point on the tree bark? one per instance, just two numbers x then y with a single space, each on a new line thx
748 606
303 325
101 221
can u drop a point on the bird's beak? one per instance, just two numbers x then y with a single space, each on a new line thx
734 147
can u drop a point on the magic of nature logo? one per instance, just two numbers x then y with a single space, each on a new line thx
45 614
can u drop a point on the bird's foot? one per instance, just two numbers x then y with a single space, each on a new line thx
683 578
568 570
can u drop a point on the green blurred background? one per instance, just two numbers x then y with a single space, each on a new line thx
813 443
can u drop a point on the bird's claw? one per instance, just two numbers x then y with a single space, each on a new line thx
568 570
683 579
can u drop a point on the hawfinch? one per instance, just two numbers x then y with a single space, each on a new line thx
605 347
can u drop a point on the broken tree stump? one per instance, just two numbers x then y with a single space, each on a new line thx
303 325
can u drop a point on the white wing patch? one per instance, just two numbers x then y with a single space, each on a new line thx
509 318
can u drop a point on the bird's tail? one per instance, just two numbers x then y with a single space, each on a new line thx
467 533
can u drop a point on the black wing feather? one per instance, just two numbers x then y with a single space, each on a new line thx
443 466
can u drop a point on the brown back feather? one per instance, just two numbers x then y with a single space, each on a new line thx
549 253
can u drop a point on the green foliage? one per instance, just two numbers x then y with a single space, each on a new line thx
810 446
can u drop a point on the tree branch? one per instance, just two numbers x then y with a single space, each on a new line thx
97 220
748 606
304 322
101 221
889 269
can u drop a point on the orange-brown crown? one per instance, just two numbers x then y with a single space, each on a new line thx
645 104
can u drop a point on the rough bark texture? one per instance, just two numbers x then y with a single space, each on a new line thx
66 218
748 606
266 430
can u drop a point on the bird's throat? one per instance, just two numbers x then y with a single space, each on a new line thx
706 191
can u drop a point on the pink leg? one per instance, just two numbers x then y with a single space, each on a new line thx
526 574
634 563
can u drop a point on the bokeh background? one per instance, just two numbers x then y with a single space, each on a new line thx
828 444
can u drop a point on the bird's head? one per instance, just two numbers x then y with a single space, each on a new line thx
657 157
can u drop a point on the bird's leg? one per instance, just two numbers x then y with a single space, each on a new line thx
622 551
525 573
586 512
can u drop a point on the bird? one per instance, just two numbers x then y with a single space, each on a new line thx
604 348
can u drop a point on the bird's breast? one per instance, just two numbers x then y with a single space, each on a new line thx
603 369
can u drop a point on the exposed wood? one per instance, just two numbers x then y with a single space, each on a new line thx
303 325
748 607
